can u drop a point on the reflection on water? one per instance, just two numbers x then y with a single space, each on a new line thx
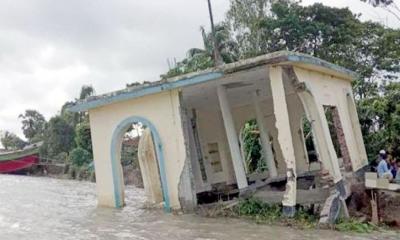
49 209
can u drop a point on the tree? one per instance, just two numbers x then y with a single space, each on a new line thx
86 91
244 18
72 118
256 27
33 124
200 59
380 120
83 137
80 157
333 34
10 141
58 138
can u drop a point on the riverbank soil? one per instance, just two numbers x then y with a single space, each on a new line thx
359 205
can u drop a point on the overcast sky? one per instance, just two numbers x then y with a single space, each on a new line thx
49 49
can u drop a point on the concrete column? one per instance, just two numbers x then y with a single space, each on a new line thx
232 136
351 107
149 168
264 137
323 141
285 138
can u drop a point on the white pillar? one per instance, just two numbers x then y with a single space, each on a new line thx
264 137
233 140
282 123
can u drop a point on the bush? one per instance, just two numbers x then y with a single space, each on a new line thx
83 137
352 225
263 212
80 157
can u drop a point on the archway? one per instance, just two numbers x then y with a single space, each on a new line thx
117 173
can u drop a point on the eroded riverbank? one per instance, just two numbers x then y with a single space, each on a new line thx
44 208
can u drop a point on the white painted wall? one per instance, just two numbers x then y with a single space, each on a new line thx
329 90
162 110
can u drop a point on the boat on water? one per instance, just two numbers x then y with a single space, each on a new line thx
19 160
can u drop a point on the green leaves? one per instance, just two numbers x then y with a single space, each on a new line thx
333 34
80 157
380 121
33 124
252 147
58 137
83 137
10 141
200 59
352 225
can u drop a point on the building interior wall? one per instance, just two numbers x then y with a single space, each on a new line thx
211 130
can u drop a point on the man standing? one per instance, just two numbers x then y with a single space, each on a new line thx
383 166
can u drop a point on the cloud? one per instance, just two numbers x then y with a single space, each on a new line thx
49 49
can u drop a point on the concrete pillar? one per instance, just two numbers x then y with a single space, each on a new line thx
323 141
233 140
316 115
264 137
355 123
282 124
149 168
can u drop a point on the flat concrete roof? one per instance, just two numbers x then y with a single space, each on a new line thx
276 58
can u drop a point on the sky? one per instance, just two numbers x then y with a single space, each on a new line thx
49 49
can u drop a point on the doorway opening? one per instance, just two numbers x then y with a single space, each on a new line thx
309 141
250 144
337 136
136 147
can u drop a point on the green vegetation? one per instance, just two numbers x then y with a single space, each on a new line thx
66 137
200 59
352 225
83 137
58 138
33 125
255 27
80 157
263 213
272 214
380 120
11 142
252 147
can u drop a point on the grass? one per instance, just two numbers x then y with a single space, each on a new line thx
263 213
272 214
352 225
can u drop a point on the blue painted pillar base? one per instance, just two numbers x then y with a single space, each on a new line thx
289 211
340 187
167 209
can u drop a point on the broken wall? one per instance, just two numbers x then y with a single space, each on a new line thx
163 111
333 91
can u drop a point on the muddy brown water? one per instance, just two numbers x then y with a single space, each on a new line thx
49 209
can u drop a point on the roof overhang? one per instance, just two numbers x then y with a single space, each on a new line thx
277 58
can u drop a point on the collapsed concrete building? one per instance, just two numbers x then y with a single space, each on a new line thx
194 123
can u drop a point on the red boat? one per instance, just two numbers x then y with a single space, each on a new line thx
19 160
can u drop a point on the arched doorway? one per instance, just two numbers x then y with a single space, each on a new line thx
117 173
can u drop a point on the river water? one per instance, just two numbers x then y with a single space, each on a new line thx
50 209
